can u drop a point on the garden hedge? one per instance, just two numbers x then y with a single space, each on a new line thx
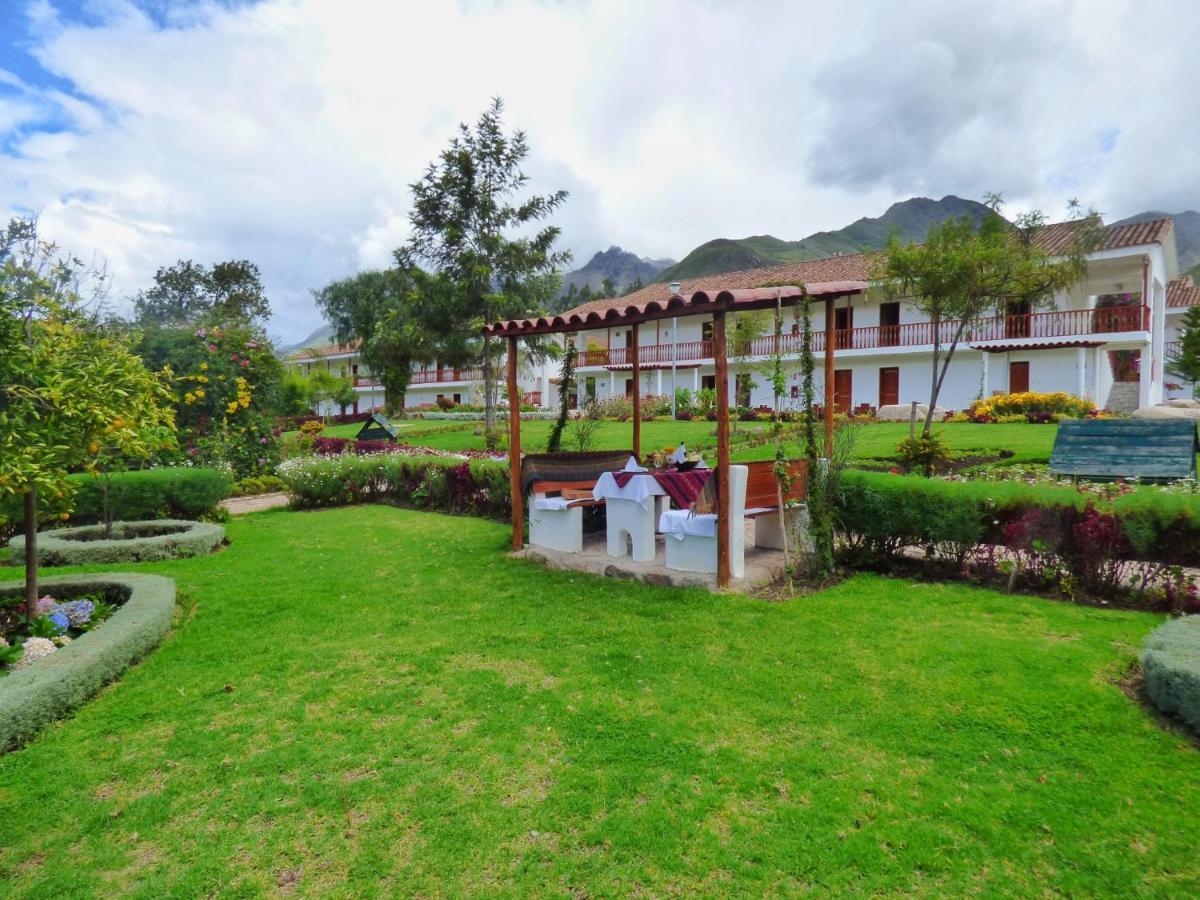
131 542
1171 668
438 484
33 697
177 493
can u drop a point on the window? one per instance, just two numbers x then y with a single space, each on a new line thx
795 392
457 399
708 381
889 324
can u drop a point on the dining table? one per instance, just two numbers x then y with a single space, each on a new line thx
632 504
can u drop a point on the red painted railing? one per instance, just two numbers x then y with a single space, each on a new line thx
440 376
1056 324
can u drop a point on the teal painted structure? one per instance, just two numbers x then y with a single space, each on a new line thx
376 428
1157 449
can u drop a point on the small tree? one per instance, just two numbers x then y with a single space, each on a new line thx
188 293
1187 364
748 328
554 444
471 224
964 271
68 388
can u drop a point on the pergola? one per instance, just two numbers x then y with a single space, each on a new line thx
718 303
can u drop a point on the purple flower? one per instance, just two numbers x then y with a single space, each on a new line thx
261 461
78 612
262 440
45 605
60 621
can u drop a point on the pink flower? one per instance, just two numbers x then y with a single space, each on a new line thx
212 348
245 363
45 605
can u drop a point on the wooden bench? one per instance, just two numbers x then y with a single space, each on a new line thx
576 493
762 500
1155 449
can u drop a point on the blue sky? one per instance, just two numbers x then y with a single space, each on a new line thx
287 131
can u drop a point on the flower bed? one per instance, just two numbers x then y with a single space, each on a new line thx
1171 668
1030 406
131 542
1126 547
436 483
54 681
324 446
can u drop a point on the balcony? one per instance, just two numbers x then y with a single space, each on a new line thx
1055 324
444 376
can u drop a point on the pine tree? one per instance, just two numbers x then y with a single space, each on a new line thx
1186 364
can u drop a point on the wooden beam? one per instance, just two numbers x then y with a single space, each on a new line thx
722 379
637 392
830 342
514 448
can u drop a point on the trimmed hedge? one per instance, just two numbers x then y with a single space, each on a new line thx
1171 668
131 542
1130 548
33 697
475 487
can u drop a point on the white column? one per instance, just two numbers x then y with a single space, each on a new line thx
658 376
612 383
1081 371
1145 370
695 379
1158 317
985 381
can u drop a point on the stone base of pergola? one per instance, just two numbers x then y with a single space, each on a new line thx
763 566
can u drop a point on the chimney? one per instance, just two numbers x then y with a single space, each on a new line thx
676 288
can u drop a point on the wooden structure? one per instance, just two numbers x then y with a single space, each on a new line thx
376 428
715 303
1158 449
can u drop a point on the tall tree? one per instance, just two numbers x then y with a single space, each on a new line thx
963 271
472 222
189 293
1186 364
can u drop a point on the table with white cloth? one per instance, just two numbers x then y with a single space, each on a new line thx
631 510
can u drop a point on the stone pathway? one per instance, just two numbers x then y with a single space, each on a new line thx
237 506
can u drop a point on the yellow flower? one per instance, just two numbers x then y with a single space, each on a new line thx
200 393
203 367
232 407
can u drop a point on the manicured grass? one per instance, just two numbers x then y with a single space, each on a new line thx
375 701
607 436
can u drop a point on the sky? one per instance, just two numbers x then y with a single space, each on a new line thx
288 132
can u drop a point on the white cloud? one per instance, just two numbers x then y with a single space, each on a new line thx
287 131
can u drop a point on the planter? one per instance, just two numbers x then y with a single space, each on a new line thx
32 697
131 542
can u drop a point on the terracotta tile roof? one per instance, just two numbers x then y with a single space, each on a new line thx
326 350
1053 238
1183 292
1056 237
851 267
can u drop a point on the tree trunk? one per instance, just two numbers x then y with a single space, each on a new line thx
31 555
489 394
933 384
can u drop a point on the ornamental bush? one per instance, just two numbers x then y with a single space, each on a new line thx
130 542
1042 407
1129 547
36 695
1171 668
475 487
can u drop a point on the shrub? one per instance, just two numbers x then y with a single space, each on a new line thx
130 542
258 484
1129 547
683 415
924 453
1003 407
445 404
476 487
35 696
1171 667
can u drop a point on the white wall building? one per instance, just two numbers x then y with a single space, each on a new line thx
1107 339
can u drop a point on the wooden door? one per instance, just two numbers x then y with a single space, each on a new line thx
889 386
889 324
843 324
843 397
1018 377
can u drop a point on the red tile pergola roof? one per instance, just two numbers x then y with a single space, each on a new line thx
1053 238
1183 292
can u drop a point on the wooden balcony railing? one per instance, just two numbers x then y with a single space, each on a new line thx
440 376
1055 324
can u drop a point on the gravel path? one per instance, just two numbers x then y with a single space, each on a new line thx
237 506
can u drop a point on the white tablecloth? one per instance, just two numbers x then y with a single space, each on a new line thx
641 488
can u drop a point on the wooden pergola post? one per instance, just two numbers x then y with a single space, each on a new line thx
722 474
829 393
514 448
637 393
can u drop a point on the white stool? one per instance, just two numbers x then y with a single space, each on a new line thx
555 524
629 518
692 540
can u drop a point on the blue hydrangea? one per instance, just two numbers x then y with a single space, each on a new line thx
78 612
60 620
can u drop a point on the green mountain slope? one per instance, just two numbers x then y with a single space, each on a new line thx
912 218
1187 236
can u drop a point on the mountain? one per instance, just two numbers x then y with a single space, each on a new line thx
912 218
319 338
621 266
1187 236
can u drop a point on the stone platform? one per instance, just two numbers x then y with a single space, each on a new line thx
762 566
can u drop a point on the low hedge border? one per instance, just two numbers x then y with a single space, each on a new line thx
77 547
33 697
1171 669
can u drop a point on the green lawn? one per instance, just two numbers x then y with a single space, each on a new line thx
375 701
